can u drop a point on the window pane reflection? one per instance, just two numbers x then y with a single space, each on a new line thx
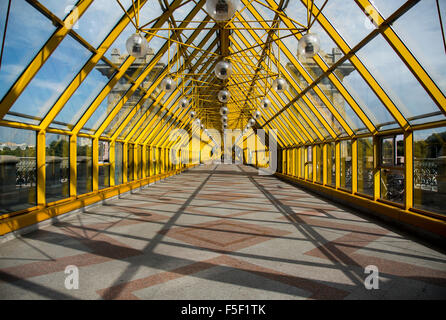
57 172
430 169
365 166
118 163
17 169
331 164
130 165
84 165
346 164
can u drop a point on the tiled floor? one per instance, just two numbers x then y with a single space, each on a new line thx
219 232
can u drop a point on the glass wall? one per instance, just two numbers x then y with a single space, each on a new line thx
147 165
331 164
319 163
130 165
154 162
365 166
139 164
429 178
84 165
57 167
346 164
118 163
17 169
392 168
104 164
309 162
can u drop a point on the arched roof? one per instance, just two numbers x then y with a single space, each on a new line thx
65 68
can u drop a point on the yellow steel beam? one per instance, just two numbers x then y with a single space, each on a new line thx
408 167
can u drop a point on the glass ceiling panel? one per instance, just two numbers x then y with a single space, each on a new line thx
265 13
134 99
136 117
396 79
308 64
27 32
51 80
107 105
148 118
365 97
386 7
348 19
419 28
99 19
338 101
84 96
59 8
305 109
325 112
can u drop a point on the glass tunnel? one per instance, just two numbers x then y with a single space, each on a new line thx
102 97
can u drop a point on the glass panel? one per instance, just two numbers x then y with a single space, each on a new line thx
84 95
387 152
392 185
60 8
141 113
392 151
139 164
346 164
331 164
161 160
130 164
396 79
309 163
57 172
17 169
84 165
338 101
386 7
51 80
118 163
147 166
365 166
104 151
325 112
430 170
104 176
348 19
365 98
27 32
107 105
99 19
419 28
123 112
154 163
319 163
